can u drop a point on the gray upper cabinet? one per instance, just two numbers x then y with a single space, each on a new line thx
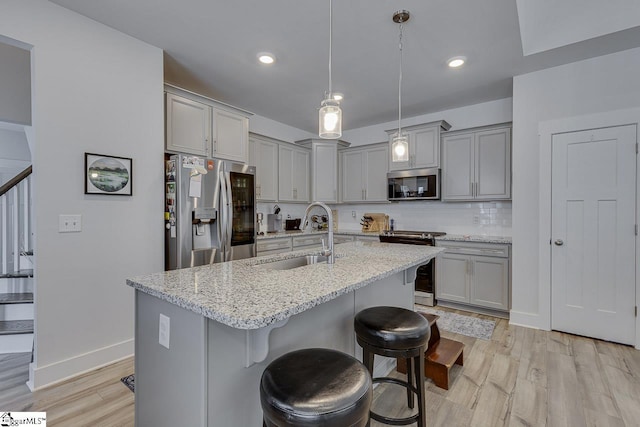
293 182
364 173
202 126
188 125
424 145
263 154
476 164
324 168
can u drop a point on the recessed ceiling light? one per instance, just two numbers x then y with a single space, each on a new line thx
456 61
266 58
338 96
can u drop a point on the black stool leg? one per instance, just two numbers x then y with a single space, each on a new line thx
422 410
409 363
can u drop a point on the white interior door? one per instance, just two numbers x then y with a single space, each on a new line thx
593 233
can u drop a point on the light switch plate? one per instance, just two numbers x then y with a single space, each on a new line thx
70 223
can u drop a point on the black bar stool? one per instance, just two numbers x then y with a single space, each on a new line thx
316 387
399 333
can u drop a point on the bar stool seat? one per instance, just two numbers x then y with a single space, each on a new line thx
316 387
399 333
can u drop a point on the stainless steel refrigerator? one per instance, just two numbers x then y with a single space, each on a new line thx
210 211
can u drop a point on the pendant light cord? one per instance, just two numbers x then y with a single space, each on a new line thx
330 37
400 85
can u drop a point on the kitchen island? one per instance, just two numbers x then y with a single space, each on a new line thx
225 322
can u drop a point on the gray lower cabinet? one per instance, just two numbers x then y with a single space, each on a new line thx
309 241
475 274
274 246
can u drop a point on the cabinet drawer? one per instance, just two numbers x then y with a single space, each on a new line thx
342 238
299 241
273 245
472 248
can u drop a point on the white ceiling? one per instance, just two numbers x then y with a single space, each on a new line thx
211 45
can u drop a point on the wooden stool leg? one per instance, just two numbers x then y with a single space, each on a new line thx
422 410
409 362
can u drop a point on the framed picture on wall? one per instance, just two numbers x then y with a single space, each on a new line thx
109 175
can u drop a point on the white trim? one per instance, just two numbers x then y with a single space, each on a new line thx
528 320
546 130
45 376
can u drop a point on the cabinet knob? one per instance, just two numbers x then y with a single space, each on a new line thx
559 242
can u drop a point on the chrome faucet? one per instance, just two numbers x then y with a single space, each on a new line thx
326 251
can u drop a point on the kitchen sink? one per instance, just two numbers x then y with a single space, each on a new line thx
291 263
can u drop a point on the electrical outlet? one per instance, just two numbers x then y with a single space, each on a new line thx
353 214
164 330
69 223
476 219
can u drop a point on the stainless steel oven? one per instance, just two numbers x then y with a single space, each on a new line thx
425 284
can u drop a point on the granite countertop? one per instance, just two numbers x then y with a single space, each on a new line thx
247 294
475 238
299 233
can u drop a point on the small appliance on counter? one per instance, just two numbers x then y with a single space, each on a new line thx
274 220
262 226
292 224
274 223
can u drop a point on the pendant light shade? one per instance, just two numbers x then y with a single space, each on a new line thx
330 114
330 119
400 143
400 148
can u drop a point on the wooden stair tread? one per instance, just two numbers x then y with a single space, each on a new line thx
17 274
16 298
444 352
12 327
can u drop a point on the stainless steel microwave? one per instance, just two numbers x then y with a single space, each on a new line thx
414 184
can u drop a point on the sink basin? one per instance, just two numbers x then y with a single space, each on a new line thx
291 263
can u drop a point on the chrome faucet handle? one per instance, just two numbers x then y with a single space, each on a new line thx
325 250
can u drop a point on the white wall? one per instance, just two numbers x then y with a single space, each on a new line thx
94 90
14 152
15 84
486 113
271 128
596 85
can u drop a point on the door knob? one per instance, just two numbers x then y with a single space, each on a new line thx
559 242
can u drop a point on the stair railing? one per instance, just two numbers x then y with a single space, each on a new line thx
15 222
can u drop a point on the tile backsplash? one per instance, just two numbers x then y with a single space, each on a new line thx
484 218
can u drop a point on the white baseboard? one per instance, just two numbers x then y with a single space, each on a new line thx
528 320
43 376
17 343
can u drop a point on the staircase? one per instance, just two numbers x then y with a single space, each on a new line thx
16 266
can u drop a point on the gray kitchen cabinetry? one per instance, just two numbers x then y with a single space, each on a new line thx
476 164
188 125
324 168
364 173
263 154
274 246
475 274
307 241
424 145
204 127
293 177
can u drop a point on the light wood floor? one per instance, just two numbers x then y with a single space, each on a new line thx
521 377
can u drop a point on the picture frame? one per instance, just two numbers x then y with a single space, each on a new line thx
108 175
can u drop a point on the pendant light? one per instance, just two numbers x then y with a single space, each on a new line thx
400 143
330 114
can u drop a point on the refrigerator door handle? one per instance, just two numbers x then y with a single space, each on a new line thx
222 230
229 216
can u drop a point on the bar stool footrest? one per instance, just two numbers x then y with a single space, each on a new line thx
395 421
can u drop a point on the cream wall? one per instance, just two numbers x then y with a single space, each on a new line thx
94 90
596 85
